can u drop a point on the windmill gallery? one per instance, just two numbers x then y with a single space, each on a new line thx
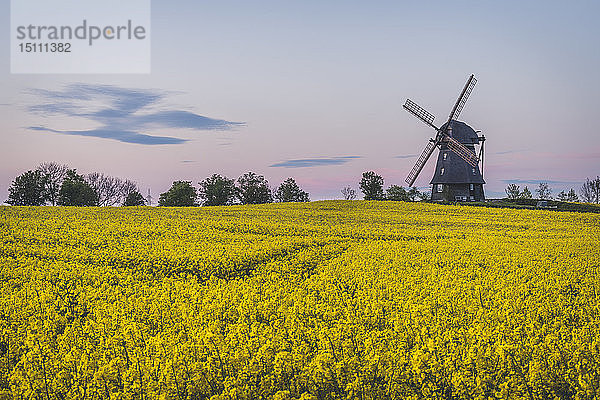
457 176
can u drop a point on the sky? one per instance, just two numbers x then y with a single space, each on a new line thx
314 90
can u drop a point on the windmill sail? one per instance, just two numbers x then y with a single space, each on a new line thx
419 112
462 99
462 151
420 163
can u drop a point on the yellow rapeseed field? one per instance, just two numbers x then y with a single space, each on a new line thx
323 300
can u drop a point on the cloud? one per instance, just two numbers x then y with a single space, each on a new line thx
537 181
122 136
512 151
122 113
406 156
314 162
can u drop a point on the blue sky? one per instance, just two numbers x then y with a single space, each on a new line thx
314 90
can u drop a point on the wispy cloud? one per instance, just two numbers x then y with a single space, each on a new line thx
120 135
538 181
512 151
406 156
126 115
314 162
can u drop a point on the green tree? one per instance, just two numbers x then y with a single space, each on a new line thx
181 194
562 196
526 194
289 191
513 191
371 185
75 191
217 190
396 193
414 194
543 191
569 196
134 198
28 189
253 189
572 196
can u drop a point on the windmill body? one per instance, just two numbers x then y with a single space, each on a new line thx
455 179
457 174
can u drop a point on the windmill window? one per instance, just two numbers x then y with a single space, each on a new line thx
442 171
445 155
473 171
440 188
471 187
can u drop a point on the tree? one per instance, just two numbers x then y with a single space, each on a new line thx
289 191
134 199
75 191
590 191
253 189
587 191
128 187
572 196
111 190
217 190
371 185
348 193
513 191
28 189
543 191
425 195
562 196
55 174
526 194
414 194
181 194
397 193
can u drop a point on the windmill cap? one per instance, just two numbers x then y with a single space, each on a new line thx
463 132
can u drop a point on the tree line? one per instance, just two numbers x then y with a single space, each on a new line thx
55 184
218 190
59 185
589 191
251 188
371 185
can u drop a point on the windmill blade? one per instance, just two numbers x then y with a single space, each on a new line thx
462 99
420 163
462 151
419 112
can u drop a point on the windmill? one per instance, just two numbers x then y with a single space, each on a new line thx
457 176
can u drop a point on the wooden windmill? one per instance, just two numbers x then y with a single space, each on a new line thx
457 175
